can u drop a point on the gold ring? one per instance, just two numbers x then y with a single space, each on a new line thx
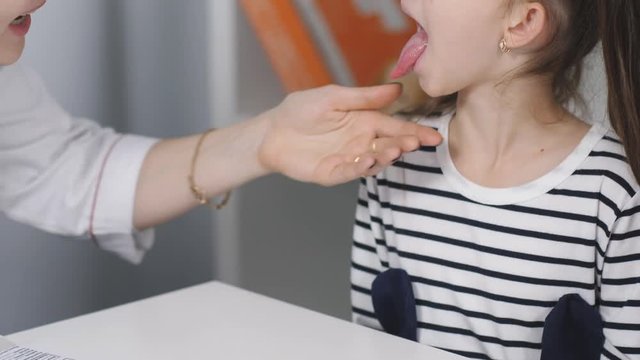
374 148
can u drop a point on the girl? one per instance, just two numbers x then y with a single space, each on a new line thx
519 236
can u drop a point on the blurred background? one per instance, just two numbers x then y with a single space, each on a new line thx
168 68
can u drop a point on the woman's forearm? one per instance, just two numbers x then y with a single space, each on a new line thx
228 158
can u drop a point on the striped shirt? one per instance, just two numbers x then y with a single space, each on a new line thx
487 265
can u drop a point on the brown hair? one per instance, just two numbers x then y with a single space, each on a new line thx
576 28
618 22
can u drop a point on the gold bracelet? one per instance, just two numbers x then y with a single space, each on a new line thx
198 192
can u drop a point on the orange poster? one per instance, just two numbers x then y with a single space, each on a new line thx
315 42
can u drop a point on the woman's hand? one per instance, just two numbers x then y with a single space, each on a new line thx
332 135
325 136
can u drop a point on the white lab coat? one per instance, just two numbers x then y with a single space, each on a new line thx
67 175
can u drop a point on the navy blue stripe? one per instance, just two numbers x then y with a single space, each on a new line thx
630 212
609 155
366 313
564 192
473 246
360 289
470 291
625 236
420 168
363 224
588 195
557 214
423 190
608 174
466 354
609 138
497 228
483 338
551 237
497 274
621 326
490 250
379 242
622 259
620 304
428 149
365 269
480 315
364 247
627 281
629 350
481 293
482 225
609 355
516 208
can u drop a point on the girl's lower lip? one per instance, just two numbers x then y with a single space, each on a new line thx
23 28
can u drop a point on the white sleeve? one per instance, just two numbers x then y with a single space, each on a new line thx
66 175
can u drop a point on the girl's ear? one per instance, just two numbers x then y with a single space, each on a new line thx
527 26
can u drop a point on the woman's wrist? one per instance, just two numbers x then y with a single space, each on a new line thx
231 156
256 130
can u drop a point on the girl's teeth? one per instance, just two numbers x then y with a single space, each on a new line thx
19 20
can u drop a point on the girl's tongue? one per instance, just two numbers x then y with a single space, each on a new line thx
411 53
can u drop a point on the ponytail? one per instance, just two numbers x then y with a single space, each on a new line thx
619 23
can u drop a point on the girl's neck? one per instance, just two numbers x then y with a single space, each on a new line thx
498 117
507 135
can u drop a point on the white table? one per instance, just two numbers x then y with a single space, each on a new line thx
217 321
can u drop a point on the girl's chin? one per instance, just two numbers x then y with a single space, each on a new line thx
433 88
429 87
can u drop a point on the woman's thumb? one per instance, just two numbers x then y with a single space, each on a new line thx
367 98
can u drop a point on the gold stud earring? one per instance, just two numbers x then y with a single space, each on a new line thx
504 47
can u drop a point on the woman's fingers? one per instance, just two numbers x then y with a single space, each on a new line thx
370 158
374 157
388 150
341 169
386 126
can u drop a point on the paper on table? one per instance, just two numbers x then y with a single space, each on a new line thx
9 351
